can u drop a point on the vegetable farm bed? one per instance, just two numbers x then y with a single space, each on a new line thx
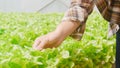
19 30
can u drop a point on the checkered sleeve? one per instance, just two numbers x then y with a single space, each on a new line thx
79 11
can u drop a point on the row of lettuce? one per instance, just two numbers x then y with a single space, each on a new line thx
19 30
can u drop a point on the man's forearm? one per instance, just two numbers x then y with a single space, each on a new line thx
65 28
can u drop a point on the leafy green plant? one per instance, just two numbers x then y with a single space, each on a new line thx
19 30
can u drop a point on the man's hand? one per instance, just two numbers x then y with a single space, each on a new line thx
55 38
50 40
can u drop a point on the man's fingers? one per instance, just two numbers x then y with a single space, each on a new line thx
42 44
36 43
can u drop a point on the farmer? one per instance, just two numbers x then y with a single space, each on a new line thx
74 21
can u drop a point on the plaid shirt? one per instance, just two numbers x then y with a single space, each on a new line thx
80 9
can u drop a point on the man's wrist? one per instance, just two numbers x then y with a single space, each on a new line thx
58 32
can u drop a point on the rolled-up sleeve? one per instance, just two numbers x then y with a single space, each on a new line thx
79 11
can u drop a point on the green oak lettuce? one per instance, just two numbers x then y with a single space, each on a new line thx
19 30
